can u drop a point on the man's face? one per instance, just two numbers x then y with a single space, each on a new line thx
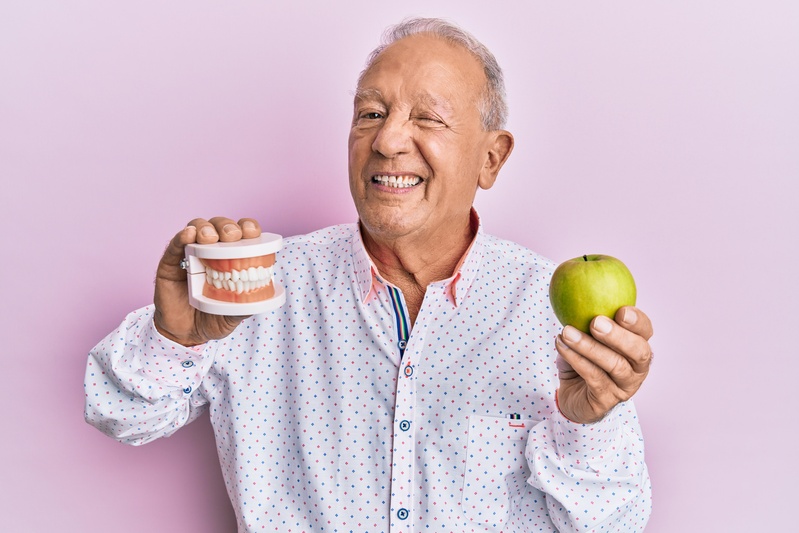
417 148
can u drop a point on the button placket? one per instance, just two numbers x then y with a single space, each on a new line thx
403 450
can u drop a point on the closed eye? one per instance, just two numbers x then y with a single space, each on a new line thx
430 121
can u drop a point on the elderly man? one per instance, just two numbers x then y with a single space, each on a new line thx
411 381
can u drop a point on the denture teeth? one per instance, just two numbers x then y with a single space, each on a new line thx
240 281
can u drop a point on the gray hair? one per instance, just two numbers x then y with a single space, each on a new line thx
493 107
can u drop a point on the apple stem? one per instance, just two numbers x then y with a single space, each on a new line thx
585 258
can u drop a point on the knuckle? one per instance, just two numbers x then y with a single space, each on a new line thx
624 395
591 348
643 354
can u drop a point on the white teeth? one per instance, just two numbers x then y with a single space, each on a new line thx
240 281
398 182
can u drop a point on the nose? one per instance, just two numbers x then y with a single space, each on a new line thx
394 137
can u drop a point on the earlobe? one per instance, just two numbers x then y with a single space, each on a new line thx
499 149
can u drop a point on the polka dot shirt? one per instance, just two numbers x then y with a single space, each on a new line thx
330 414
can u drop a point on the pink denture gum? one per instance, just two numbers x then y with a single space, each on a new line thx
235 278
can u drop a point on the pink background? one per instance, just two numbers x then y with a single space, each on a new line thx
664 133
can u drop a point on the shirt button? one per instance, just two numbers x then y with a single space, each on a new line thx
187 364
402 514
405 425
187 390
408 371
402 344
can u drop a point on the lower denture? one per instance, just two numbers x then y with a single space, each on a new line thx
247 264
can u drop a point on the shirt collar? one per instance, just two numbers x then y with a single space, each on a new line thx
367 277
365 270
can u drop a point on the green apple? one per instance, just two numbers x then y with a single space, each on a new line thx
587 286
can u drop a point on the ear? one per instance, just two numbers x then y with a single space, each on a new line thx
500 145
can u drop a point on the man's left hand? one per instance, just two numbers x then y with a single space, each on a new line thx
605 368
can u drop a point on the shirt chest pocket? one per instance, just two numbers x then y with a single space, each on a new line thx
496 470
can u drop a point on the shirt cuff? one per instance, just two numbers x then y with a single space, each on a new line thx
170 364
591 441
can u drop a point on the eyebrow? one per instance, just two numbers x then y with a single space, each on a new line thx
368 94
424 97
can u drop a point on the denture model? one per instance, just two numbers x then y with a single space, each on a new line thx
234 278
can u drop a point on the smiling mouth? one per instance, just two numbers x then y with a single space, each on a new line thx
397 182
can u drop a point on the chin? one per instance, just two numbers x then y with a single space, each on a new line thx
389 223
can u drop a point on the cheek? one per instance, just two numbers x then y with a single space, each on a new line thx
360 142
457 172
357 165
447 159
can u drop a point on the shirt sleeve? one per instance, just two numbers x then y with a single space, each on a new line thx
141 386
593 475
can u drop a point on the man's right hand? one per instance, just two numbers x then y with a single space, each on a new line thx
174 318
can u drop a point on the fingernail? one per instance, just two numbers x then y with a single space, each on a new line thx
227 229
628 316
247 224
602 324
207 231
571 334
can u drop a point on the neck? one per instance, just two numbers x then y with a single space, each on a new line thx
413 262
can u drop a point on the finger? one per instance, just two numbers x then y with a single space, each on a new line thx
250 228
206 232
620 340
563 366
635 320
174 253
602 359
603 389
226 228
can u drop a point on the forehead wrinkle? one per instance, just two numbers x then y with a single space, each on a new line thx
434 101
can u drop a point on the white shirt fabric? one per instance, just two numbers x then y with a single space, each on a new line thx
324 423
